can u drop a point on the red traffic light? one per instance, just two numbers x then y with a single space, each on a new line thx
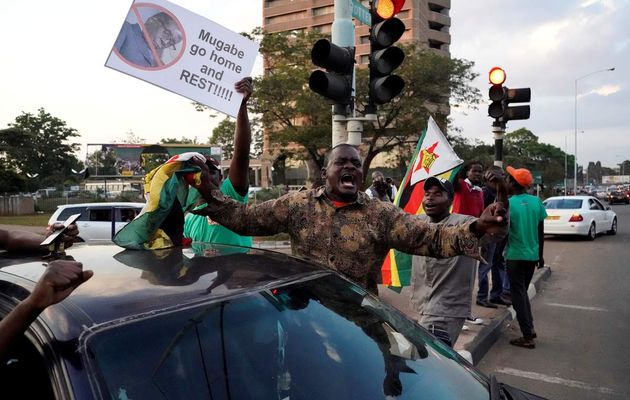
386 9
496 76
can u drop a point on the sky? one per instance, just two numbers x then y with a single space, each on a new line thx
54 56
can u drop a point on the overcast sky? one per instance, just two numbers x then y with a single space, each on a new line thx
54 56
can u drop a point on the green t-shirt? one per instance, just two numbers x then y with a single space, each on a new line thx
526 211
204 229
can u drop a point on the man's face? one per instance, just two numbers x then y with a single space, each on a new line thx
475 173
436 202
164 37
343 174
215 177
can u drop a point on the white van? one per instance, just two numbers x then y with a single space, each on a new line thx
98 222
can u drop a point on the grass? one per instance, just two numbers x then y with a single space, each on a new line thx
26 220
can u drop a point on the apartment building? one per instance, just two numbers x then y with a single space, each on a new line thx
426 21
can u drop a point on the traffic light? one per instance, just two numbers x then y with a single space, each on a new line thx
384 57
501 97
336 84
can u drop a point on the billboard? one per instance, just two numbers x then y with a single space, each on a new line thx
135 160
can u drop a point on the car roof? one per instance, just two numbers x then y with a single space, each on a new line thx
130 284
570 197
103 204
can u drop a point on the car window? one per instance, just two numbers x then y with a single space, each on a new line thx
67 212
563 204
100 214
282 343
126 214
594 205
23 363
599 205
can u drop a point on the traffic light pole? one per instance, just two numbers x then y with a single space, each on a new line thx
343 36
498 130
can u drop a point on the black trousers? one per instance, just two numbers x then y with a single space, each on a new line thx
520 274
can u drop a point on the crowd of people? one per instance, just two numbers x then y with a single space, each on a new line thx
463 233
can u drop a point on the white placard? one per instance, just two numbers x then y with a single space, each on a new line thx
185 53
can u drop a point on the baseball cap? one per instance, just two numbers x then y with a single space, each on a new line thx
212 163
522 176
445 184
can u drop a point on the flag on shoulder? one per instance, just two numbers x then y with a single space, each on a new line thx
433 156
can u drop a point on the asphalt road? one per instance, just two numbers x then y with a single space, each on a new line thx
582 318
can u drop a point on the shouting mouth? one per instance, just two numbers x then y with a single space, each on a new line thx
347 181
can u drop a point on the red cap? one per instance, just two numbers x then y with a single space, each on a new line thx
522 176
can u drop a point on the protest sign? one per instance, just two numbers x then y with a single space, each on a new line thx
185 53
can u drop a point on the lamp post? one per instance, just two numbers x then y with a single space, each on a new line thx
575 123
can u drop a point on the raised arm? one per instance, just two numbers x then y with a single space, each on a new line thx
239 167
58 281
22 241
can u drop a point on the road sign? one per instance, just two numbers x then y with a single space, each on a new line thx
537 175
361 12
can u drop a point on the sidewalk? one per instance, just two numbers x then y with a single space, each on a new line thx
475 342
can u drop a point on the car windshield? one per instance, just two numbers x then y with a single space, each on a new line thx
563 204
323 338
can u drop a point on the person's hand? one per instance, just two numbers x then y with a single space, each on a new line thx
58 281
498 180
245 86
493 220
205 186
69 236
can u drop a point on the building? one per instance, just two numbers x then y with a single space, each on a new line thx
426 21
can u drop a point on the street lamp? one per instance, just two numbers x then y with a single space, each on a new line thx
575 124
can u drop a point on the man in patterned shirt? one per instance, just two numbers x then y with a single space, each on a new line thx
341 227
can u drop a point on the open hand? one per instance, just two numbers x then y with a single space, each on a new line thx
493 220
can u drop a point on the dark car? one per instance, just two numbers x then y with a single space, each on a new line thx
219 322
618 196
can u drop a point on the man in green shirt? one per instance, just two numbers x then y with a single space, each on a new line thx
524 249
236 186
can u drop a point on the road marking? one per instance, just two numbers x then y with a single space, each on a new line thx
576 307
554 379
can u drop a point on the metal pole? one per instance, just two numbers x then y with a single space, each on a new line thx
498 129
575 153
342 35
575 123
565 165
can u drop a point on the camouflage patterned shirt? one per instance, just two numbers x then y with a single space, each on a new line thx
353 239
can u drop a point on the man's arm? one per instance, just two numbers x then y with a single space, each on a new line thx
58 281
239 167
23 241
410 234
263 219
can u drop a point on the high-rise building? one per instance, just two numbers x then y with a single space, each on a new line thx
426 21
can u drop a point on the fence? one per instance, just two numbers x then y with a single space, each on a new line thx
17 205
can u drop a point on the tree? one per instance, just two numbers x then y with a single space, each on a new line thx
223 135
293 114
183 140
49 151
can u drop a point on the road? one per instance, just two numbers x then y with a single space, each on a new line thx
582 318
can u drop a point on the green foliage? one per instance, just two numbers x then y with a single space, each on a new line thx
46 148
102 163
182 140
293 113
223 135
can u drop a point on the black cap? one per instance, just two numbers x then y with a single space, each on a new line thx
445 184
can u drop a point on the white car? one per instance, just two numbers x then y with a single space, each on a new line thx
578 215
95 223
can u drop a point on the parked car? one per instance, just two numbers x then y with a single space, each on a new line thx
224 322
578 215
98 221
618 196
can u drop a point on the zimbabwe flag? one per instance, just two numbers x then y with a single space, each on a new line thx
433 156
